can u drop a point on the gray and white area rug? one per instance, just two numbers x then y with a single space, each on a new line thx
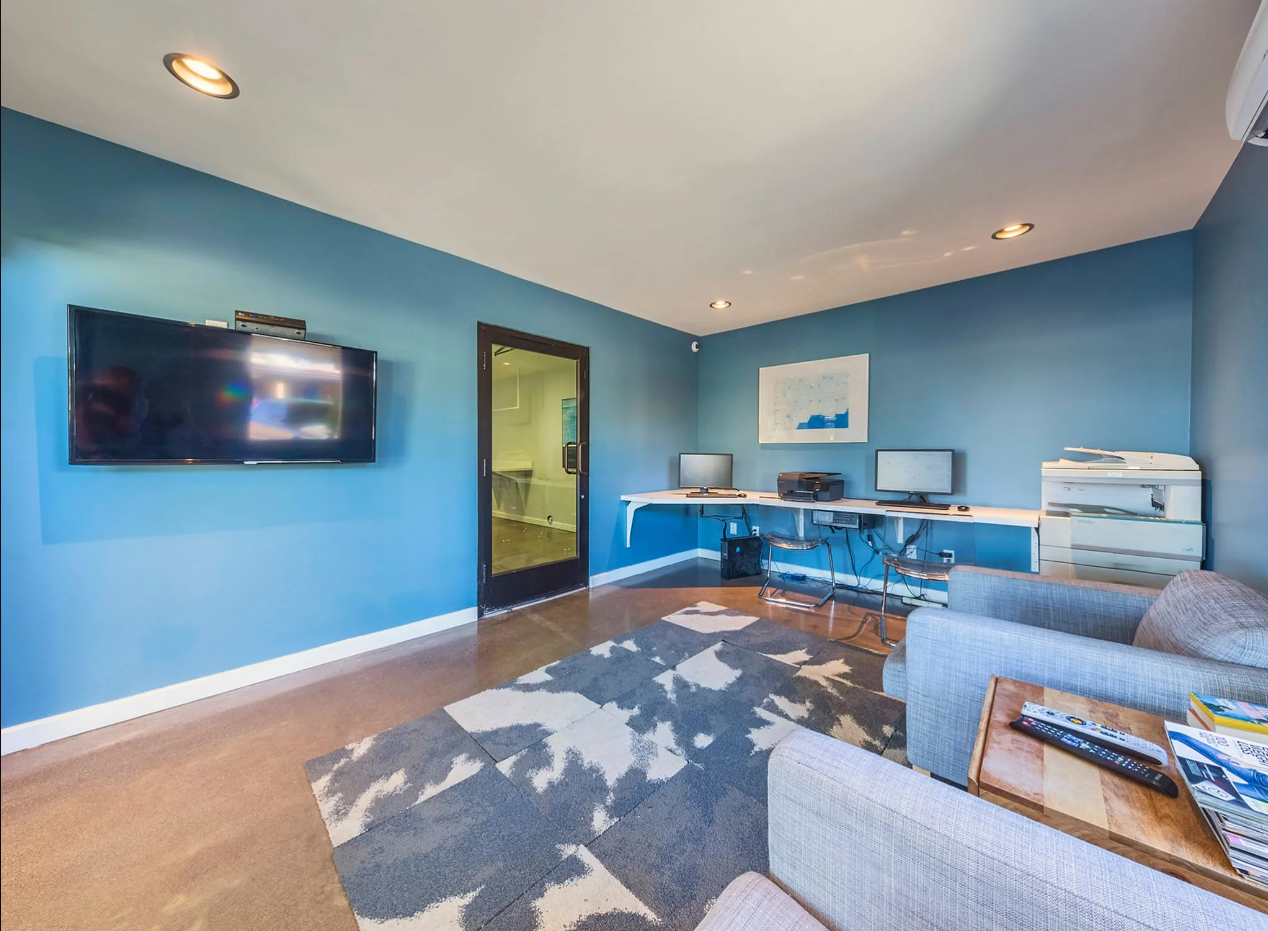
620 788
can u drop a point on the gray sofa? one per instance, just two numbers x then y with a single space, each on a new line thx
863 844
1120 643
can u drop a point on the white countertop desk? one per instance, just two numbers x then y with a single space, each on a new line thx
1006 517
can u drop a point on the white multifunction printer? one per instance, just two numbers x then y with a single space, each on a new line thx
1122 517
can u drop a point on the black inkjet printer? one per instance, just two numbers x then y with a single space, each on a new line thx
811 486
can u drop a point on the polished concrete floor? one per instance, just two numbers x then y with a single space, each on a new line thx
519 545
201 817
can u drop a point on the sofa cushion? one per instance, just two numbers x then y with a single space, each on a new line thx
1208 615
894 676
754 903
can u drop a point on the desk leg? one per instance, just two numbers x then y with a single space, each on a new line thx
630 508
1034 549
801 523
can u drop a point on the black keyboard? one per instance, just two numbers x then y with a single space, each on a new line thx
715 494
1094 753
923 505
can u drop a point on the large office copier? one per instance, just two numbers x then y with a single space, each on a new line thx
1122 517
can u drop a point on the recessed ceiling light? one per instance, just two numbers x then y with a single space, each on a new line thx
720 305
1013 230
200 75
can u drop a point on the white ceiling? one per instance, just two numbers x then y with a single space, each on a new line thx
654 156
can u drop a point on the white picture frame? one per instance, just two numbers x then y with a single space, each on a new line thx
822 401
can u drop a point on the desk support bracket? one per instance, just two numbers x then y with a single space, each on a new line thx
630 508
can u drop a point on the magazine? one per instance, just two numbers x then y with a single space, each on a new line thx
1228 778
1241 826
1227 774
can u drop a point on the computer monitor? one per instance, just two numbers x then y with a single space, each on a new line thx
704 470
914 471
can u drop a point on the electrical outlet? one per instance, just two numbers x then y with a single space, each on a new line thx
757 531
910 552
948 556
733 528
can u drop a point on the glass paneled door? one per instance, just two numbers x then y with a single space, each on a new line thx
533 467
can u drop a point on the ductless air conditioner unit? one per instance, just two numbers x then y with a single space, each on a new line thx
1247 106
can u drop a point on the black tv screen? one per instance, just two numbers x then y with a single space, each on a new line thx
145 390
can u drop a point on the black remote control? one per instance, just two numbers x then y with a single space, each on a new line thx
1102 756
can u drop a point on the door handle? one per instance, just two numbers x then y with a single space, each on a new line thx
583 467
570 462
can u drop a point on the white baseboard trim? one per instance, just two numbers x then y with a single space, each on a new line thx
34 733
539 521
616 575
42 731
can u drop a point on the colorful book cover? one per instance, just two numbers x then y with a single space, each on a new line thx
1227 712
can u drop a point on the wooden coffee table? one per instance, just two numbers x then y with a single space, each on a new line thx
1072 795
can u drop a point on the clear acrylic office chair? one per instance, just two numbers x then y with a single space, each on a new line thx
940 546
797 544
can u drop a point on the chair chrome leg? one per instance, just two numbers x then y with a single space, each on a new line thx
770 561
884 604
832 578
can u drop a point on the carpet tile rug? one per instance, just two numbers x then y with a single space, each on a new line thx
454 861
678 850
707 618
383 775
742 676
600 673
590 773
666 643
846 712
740 754
511 717
675 712
839 663
618 789
776 641
579 894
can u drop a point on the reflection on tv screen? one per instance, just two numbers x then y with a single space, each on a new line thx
296 393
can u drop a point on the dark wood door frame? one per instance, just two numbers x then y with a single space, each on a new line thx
522 585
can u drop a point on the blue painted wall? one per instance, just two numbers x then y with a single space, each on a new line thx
118 580
1230 367
114 581
1092 350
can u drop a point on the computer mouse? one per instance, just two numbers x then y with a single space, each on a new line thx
741 495
962 507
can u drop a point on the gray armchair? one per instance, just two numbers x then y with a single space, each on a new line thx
859 843
1119 643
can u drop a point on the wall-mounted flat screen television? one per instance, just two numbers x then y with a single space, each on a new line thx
149 391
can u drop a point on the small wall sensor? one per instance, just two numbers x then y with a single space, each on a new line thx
695 345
